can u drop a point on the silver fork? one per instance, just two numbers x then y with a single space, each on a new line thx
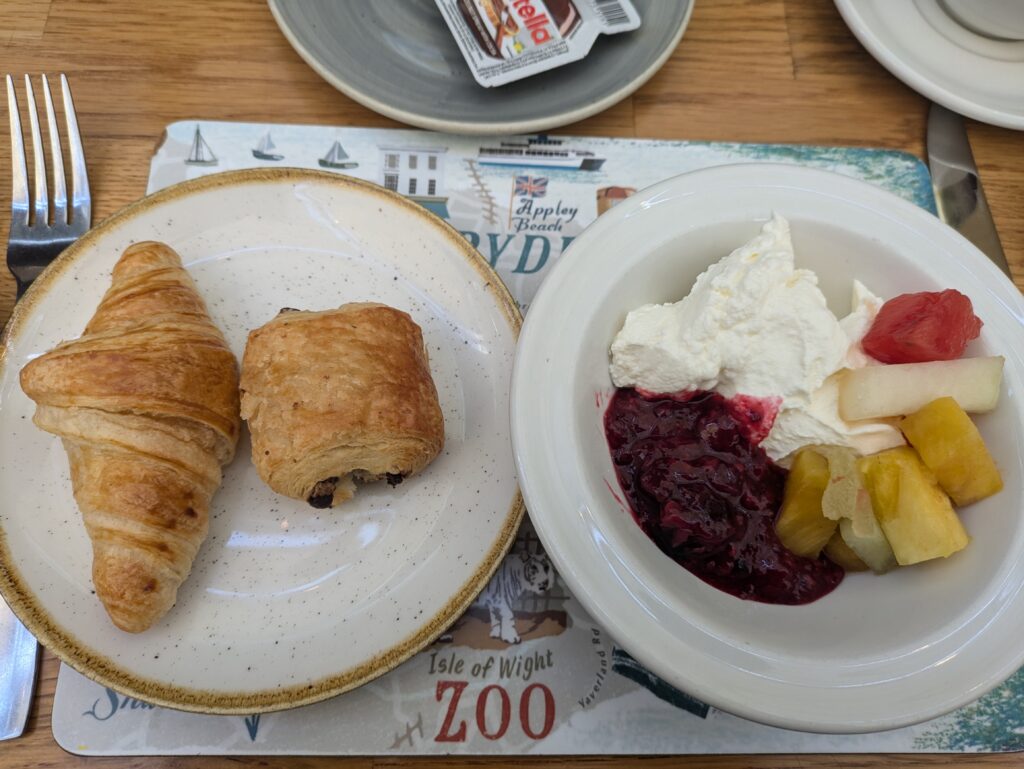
34 243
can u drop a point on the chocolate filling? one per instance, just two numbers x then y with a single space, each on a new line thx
283 310
323 493
394 478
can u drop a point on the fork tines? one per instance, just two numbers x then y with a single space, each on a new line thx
30 225
79 179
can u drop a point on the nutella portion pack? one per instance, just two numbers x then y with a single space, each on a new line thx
506 40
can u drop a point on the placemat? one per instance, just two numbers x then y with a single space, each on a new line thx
553 682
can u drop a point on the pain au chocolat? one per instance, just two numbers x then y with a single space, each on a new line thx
339 396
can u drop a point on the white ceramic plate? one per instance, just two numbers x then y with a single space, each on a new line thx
878 652
922 45
286 604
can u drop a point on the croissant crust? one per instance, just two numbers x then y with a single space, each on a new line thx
146 404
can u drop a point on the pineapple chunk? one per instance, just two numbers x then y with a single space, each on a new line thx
903 388
918 520
841 554
953 449
801 526
882 476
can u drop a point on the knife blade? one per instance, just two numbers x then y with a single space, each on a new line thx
958 193
20 653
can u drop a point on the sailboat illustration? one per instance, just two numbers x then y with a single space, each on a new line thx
336 157
200 154
265 149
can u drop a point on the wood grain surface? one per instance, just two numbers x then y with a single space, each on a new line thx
746 70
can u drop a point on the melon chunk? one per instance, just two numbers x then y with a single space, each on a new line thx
801 526
953 449
916 515
889 391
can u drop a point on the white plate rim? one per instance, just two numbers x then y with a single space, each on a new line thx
105 671
470 127
929 88
532 466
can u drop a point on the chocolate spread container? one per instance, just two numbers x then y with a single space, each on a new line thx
507 40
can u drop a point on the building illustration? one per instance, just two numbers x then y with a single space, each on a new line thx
417 173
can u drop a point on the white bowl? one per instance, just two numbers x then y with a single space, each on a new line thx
878 652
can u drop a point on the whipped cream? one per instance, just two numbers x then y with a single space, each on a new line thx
754 324
819 423
864 306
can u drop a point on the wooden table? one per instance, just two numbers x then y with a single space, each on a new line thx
747 70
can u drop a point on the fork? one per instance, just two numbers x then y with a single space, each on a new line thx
35 242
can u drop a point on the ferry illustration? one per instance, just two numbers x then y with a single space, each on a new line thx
539 152
265 149
336 157
200 154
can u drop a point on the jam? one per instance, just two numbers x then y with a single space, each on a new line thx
707 495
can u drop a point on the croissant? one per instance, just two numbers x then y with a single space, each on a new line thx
146 404
338 396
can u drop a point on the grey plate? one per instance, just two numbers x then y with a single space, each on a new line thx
397 57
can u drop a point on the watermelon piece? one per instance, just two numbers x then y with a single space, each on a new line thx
925 326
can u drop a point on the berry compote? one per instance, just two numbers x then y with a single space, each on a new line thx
708 496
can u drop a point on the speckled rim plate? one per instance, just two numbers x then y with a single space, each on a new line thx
399 59
286 605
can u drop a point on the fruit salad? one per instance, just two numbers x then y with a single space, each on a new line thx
769 447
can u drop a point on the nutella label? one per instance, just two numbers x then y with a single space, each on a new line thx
506 40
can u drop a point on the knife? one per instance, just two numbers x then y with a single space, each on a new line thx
958 193
19 651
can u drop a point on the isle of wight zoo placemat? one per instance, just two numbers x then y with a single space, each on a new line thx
525 670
